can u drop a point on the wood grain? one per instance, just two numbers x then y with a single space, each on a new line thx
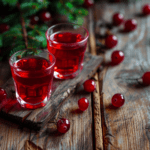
79 136
61 90
127 128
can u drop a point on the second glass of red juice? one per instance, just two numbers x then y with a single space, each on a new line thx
67 42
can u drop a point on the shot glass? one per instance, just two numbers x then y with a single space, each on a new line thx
33 77
67 42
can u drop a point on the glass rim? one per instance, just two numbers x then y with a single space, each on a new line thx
18 69
82 41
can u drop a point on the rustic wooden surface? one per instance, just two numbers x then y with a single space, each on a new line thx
126 128
101 126
13 137
61 89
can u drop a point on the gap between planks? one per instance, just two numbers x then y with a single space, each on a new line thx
98 134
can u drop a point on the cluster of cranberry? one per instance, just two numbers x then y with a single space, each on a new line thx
118 56
44 16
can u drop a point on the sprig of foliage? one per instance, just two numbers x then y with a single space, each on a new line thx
13 40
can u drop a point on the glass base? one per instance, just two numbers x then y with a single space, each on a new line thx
30 105
57 75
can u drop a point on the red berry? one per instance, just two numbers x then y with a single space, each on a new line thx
88 3
34 19
146 9
83 104
89 85
63 125
45 16
118 19
130 25
146 78
111 41
4 27
117 57
118 100
3 94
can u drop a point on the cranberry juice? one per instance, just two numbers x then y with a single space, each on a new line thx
33 81
68 50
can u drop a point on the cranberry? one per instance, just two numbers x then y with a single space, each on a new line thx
89 85
111 41
3 94
34 19
118 100
130 25
146 9
117 57
4 27
63 125
88 3
83 104
118 19
146 78
45 16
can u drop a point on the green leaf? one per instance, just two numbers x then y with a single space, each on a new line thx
79 20
77 2
10 2
69 5
45 3
1 43
81 12
29 5
30 8
44 42
40 38
71 17
17 48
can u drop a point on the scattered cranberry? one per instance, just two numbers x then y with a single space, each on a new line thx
118 19
130 25
63 125
117 57
45 16
118 100
83 104
4 27
111 41
3 94
88 3
89 85
146 78
34 19
146 9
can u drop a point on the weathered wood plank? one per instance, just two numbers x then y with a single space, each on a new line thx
12 137
80 134
127 127
61 90
96 93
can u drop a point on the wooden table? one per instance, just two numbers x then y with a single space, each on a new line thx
101 126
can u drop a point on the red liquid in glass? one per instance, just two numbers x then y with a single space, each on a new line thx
32 81
69 53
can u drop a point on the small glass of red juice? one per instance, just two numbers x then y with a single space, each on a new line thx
67 42
33 77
